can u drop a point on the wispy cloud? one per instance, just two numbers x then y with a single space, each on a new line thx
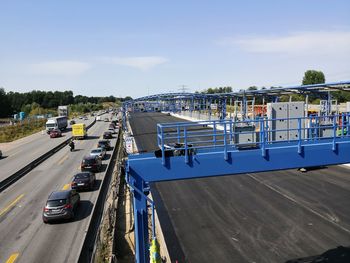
325 42
143 63
59 68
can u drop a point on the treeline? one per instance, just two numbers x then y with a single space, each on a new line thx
216 90
13 102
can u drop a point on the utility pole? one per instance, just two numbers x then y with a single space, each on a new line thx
183 88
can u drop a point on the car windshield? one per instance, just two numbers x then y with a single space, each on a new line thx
50 125
82 176
55 203
96 151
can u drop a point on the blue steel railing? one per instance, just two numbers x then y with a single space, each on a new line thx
188 138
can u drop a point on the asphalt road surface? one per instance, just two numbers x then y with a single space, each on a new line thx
263 217
19 153
24 236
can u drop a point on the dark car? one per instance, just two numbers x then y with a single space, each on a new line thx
55 133
83 180
112 130
107 135
104 144
61 205
91 163
72 122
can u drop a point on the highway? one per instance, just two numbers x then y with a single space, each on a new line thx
24 237
264 217
19 153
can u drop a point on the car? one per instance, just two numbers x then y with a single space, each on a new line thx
83 180
106 120
111 125
55 133
91 163
72 122
80 117
61 205
100 152
112 130
104 144
85 118
115 122
107 135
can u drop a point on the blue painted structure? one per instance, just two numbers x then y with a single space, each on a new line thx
189 152
176 102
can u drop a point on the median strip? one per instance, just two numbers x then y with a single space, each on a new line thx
2 212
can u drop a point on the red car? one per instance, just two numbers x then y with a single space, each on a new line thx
55 133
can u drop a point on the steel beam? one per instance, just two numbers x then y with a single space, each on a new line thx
213 163
141 219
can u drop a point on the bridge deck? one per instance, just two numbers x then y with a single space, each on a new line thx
265 217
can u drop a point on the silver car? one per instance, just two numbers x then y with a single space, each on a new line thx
100 152
61 205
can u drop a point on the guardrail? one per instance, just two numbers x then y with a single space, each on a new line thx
186 138
26 169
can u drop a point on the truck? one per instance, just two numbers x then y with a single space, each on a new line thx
62 111
60 123
79 131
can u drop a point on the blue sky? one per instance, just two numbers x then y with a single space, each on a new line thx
136 48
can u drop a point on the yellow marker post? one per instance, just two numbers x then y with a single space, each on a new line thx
12 258
7 208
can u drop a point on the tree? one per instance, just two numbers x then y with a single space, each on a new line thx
5 107
313 77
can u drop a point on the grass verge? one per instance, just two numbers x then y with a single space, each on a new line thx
20 130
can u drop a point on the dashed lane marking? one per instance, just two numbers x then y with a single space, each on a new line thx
7 208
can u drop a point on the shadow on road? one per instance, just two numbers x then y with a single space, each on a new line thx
103 168
84 210
107 156
92 137
336 255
